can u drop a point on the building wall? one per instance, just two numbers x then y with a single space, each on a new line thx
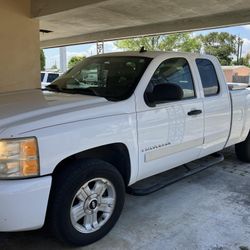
19 46
236 71
243 71
228 75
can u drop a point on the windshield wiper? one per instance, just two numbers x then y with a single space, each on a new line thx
87 91
81 91
53 88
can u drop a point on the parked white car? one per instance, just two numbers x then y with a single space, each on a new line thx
48 77
69 152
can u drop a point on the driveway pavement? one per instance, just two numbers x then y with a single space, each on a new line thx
209 210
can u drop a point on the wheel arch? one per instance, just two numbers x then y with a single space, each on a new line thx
116 154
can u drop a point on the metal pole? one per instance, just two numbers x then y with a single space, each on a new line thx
241 44
63 59
238 50
100 48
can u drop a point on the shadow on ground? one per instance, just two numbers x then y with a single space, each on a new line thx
210 210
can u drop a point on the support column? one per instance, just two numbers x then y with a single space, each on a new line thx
19 46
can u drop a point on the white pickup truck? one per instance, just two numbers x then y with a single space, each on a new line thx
68 153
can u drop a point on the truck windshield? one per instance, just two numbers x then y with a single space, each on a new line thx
114 78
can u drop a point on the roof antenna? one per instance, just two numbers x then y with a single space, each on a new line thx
143 49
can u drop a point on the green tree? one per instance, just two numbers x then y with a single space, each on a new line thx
74 60
54 66
220 44
183 42
135 44
243 61
246 59
178 42
42 59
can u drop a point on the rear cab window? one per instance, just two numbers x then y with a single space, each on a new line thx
208 77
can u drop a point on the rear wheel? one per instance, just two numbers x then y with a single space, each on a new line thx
242 150
86 202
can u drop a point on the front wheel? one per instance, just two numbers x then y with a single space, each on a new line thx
86 202
242 150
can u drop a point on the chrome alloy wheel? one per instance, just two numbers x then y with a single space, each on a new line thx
93 205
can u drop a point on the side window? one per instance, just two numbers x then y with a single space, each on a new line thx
52 77
174 71
208 76
42 76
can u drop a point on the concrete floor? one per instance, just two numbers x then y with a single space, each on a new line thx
210 211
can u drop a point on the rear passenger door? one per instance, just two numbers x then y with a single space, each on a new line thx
217 109
170 133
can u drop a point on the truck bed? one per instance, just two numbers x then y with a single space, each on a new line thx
240 120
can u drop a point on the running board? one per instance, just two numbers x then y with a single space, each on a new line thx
160 181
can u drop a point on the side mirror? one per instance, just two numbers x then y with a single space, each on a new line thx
165 92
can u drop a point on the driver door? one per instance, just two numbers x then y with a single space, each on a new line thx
170 133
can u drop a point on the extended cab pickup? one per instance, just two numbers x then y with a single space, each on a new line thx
68 153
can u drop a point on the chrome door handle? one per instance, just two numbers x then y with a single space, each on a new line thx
194 112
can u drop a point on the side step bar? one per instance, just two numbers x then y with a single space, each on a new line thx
160 181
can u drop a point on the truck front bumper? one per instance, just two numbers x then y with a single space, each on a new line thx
23 203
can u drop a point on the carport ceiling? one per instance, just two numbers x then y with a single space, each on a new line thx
79 21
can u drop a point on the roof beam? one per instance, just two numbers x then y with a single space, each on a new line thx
187 24
41 8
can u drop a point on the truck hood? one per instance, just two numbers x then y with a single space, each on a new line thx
33 109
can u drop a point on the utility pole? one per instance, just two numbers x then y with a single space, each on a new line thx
100 48
241 45
239 50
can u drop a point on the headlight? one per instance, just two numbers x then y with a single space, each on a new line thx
19 158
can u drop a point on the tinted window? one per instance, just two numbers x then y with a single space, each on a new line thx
114 78
42 76
208 76
174 71
52 77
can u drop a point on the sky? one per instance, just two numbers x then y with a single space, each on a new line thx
52 55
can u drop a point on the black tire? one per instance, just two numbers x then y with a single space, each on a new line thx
65 187
242 150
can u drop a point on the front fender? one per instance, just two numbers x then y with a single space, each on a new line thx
60 142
